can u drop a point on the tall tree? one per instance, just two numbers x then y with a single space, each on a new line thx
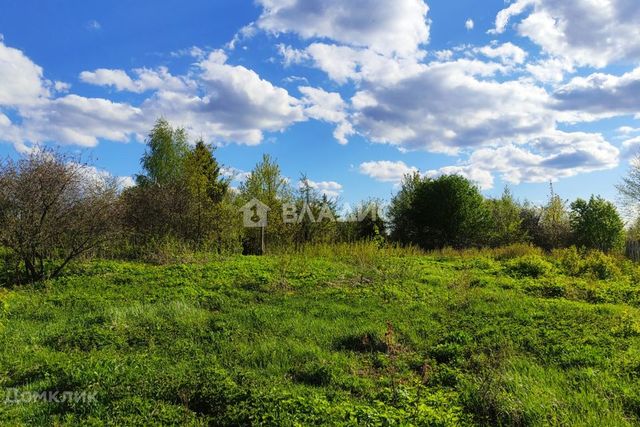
596 224
434 213
505 226
555 223
167 148
266 184
317 214
403 227
206 189
179 196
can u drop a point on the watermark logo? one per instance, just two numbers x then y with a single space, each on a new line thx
255 213
14 396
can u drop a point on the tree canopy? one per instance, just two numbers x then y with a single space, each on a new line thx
596 224
434 213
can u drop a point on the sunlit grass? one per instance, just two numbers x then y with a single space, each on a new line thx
338 335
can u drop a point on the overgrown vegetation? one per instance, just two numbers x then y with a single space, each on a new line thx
51 212
54 209
519 315
480 337
449 211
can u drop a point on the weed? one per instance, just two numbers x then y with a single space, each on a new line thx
529 266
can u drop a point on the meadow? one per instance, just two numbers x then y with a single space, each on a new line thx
330 335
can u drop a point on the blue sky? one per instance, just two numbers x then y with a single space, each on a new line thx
352 93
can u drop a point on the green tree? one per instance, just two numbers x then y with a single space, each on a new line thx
505 225
596 224
369 223
434 213
317 215
203 173
530 215
555 225
163 162
206 190
403 226
633 232
181 195
157 208
266 183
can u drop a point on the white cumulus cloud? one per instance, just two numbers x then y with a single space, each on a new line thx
400 26
387 171
328 107
587 32
330 189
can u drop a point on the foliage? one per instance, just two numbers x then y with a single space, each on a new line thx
633 232
182 196
207 191
570 260
434 213
555 226
530 216
163 162
156 212
316 216
53 210
601 266
266 184
505 225
529 266
596 224
400 211
364 222
588 264
424 340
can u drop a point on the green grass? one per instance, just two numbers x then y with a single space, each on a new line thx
349 336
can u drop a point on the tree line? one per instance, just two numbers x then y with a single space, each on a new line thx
450 211
53 209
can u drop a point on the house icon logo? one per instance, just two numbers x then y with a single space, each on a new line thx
254 214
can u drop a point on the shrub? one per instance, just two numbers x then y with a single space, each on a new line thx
516 250
53 210
554 227
505 225
569 260
547 288
601 266
529 266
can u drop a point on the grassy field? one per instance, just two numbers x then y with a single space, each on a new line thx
336 336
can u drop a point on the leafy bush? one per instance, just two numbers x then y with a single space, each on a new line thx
529 266
569 260
505 225
601 266
51 213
